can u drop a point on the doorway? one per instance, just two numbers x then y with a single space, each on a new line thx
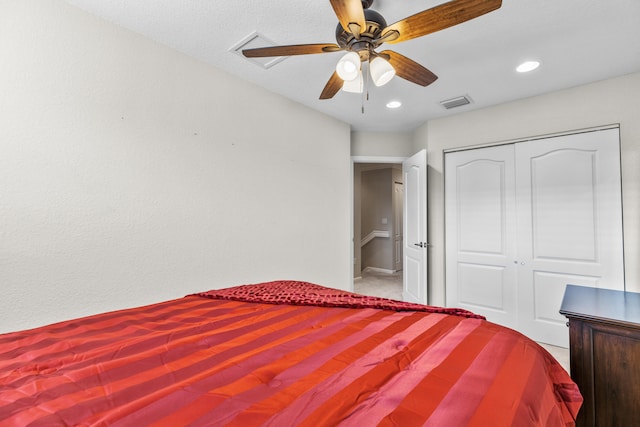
377 226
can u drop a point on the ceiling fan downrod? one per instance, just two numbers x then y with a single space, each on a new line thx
366 4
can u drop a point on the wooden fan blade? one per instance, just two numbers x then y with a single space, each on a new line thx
332 87
297 49
440 17
349 12
409 69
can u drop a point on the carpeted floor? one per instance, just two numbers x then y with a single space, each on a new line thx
390 286
382 285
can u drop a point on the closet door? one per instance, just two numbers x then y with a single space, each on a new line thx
480 232
526 219
569 225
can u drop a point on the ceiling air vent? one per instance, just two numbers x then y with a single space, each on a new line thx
253 41
456 102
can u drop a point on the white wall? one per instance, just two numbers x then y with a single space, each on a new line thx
382 144
130 173
601 103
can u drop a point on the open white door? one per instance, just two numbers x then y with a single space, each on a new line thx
414 170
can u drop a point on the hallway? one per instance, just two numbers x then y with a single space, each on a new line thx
379 284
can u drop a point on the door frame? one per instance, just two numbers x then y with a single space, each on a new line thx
354 160
530 138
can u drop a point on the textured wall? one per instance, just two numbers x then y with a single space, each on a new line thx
130 173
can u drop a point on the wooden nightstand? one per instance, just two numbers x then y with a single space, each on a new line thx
604 337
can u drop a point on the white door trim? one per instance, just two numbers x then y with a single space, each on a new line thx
377 159
533 138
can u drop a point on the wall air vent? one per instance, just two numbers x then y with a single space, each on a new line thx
456 102
253 41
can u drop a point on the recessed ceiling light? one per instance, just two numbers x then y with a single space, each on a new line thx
394 104
527 66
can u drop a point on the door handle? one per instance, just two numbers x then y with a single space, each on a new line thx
421 245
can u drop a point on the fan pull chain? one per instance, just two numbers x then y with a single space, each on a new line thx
365 83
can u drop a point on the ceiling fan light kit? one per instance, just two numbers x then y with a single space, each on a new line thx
361 31
348 67
354 86
381 71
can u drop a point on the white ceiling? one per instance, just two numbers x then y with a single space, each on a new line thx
577 42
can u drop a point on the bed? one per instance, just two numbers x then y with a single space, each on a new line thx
281 353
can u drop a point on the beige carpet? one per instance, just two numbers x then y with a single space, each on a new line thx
380 284
386 285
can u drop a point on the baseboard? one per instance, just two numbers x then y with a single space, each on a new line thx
379 270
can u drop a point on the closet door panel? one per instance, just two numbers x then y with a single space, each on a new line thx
480 207
563 204
480 202
569 225
549 286
483 286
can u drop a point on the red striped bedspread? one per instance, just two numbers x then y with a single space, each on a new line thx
281 354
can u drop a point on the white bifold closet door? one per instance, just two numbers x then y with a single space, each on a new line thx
523 220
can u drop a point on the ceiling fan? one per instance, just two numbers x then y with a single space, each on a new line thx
362 30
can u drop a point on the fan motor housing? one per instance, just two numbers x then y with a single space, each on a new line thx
375 24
